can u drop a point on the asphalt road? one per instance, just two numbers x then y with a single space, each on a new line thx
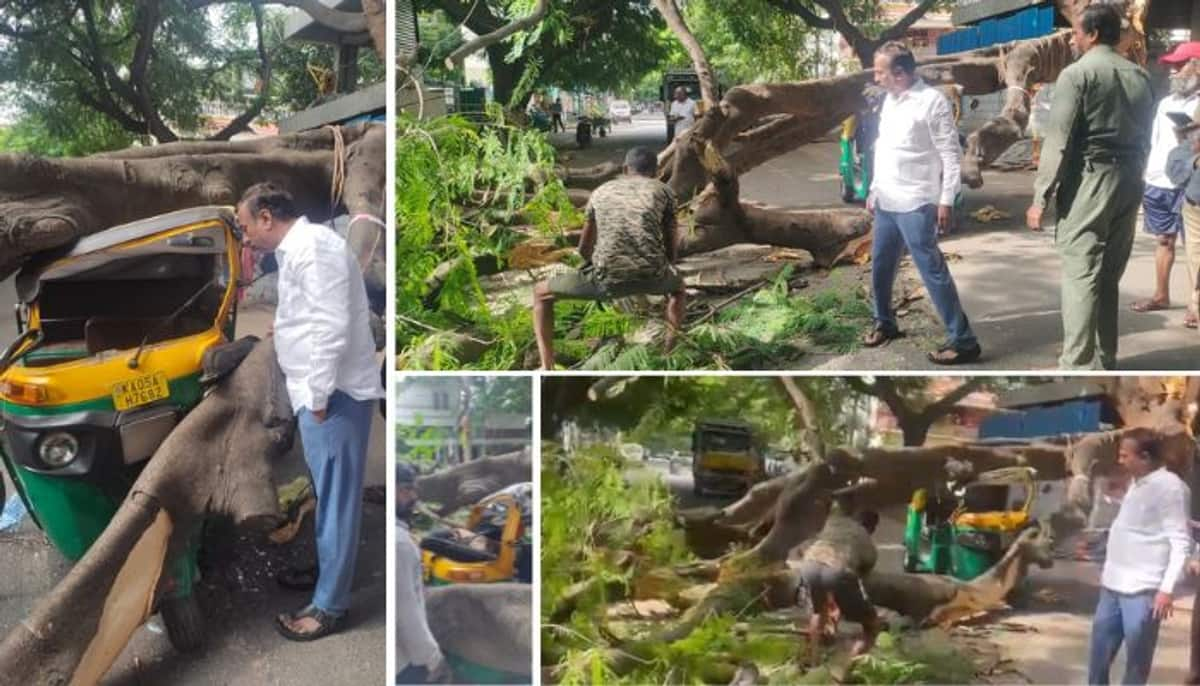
237 591
1008 277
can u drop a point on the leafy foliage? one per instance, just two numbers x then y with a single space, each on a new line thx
589 45
72 80
460 188
761 331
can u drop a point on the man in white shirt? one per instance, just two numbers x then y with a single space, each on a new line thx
916 177
683 111
418 655
1148 547
1162 200
325 348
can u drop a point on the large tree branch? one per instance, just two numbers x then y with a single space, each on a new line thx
947 402
806 416
481 42
897 30
242 121
853 35
806 15
675 21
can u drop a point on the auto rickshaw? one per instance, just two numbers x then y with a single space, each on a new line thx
106 363
492 547
964 533
724 458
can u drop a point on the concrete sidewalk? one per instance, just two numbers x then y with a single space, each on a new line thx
1008 278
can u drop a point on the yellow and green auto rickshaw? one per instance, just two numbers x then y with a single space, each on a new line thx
107 361
963 534
494 545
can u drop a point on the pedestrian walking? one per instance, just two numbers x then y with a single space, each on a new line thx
916 178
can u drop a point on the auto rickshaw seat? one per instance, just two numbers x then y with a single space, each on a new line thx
123 333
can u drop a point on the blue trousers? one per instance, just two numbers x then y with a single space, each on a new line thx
336 452
917 231
1123 617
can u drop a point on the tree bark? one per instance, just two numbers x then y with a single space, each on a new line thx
47 204
465 484
494 38
217 461
487 624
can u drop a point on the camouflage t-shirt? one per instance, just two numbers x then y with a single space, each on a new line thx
630 213
843 544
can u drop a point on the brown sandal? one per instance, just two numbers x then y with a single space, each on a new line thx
881 335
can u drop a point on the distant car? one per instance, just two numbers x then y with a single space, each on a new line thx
620 111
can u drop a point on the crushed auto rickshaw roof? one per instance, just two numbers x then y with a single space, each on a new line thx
31 273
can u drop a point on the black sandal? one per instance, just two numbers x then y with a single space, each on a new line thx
881 335
327 623
961 355
298 578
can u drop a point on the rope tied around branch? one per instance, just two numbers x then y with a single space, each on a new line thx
338 184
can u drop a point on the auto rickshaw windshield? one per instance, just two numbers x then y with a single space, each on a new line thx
119 296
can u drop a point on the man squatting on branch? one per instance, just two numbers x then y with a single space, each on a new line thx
1093 162
916 178
326 351
629 245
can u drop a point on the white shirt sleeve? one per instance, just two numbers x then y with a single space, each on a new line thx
944 134
1175 525
325 283
415 644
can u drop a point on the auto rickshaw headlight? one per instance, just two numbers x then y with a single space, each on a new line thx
58 449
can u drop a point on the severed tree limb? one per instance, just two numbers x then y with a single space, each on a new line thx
485 624
466 483
49 203
217 461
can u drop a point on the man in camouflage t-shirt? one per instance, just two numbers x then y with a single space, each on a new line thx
629 244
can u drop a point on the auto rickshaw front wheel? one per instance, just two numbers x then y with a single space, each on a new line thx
184 621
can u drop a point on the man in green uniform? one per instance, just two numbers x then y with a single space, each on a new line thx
629 244
1094 159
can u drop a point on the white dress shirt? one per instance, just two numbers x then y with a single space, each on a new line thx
415 644
686 110
918 160
322 322
1148 544
1162 138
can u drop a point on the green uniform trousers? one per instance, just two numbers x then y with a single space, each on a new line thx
1094 238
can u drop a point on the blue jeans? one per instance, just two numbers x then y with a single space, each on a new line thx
1123 617
336 453
916 230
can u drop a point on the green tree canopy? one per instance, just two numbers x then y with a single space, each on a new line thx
96 75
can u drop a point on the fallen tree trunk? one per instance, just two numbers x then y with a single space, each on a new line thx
47 204
217 461
466 483
487 624
946 601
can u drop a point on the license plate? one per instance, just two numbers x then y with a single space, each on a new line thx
139 391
